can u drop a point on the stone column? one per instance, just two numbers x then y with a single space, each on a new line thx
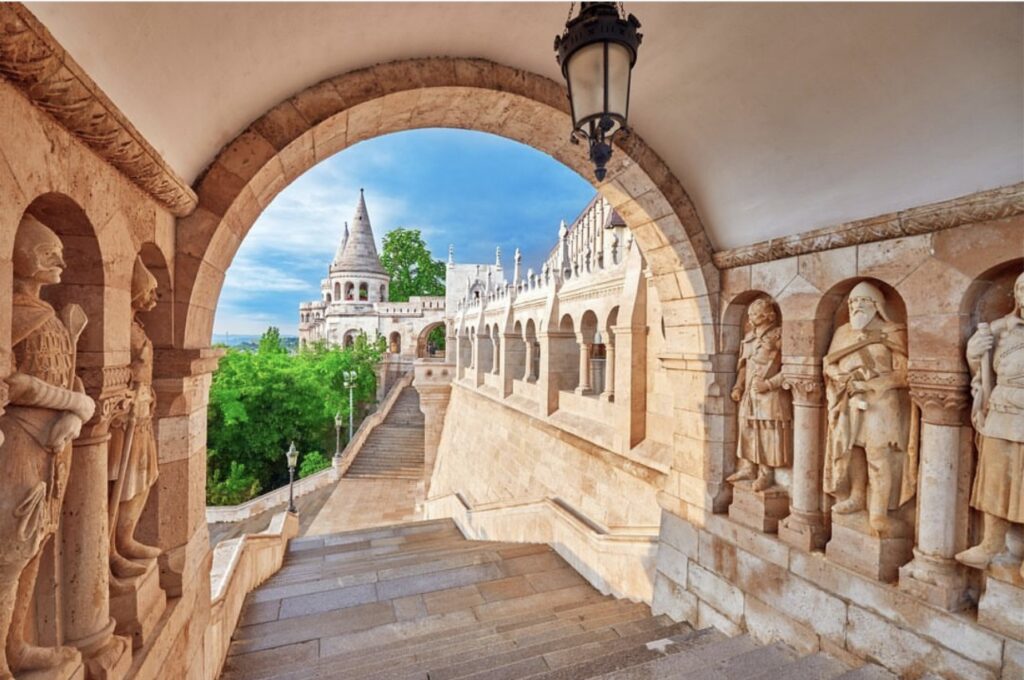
608 394
631 385
584 384
433 383
934 575
85 536
478 359
552 365
512 353
528 375
805 526
495 355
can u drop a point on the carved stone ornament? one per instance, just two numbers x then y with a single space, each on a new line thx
36 63
870 455
995 355
980 207
806 390
47 408
942 397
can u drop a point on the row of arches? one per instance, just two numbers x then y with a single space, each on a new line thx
351 291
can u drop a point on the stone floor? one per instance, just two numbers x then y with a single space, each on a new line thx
365 503
420 602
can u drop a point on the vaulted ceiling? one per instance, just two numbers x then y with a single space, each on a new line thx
777 118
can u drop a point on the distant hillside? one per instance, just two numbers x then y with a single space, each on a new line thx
251 342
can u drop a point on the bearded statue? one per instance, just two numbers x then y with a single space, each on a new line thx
765 416
47 409
870 457
995 355
133 445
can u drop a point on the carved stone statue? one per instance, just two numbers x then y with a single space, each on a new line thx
995 354
870 459
47 409
765 415
133 446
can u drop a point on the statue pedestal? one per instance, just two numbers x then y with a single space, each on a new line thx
759 510
69 670
138 610
1001 606
855 547
939 581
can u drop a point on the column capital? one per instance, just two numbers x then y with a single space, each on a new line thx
943 397
804 383
109 386
179 363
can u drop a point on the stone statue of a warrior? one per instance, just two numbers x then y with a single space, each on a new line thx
765 414
870 455
46 411
133 452
995 355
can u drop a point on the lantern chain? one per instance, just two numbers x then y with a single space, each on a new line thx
571 6
622 11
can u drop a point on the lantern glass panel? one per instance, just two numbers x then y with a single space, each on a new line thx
586 80
618 80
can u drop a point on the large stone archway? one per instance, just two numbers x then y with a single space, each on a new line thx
471 94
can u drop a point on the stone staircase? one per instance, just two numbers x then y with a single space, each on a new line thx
394 450
420 602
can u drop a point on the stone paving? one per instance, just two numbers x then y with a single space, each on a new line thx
419 602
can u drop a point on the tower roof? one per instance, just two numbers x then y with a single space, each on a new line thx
360 252
341 246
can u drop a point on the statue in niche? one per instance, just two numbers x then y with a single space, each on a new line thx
870 456
995 355
133 445
48 406
765 418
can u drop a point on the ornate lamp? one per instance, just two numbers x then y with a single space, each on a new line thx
293 459
350 383
339 422
597 53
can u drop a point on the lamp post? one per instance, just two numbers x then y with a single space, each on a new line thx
350 384
338 422
293 458
597 53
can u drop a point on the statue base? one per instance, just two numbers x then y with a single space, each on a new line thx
138 610
69 670
856 547
1001 606
106 656
761 510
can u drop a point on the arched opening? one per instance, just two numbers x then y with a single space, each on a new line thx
565 355
592 351
364 292
395 343
532 369
349 339
431 341
383 293
159 322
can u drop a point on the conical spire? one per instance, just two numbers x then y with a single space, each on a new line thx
360 252
341 246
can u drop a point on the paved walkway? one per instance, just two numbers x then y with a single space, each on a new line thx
365 503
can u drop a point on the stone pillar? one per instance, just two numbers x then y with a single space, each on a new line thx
608 394
478 359
552 364
512 354
175 517
934 575
584 384
805 526
631 385
451 347
495 355
433 383
528 375
85 535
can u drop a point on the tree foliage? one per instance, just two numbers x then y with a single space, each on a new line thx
313 462
261 401
413 270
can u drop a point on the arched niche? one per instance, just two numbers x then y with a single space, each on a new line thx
159 321
832 310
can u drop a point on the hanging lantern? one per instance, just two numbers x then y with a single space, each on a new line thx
597 53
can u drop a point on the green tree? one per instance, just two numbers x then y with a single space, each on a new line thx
313 462
262 400
413 270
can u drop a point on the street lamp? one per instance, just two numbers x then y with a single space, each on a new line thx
293 459
338 422
350 384
597 53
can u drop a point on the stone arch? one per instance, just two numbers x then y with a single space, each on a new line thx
395 342
349 293
990 295
831 313
337 290
383 297
436 92
734 319
423 337
364 291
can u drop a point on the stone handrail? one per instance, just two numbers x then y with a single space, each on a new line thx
239 566
619 561
279 496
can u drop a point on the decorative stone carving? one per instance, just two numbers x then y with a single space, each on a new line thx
995 355
765 416
136 597
31 59
870 460
46 411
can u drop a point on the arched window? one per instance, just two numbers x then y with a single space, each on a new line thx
364 292
395 343
383 293
349 290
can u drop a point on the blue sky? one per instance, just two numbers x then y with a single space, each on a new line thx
471 189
